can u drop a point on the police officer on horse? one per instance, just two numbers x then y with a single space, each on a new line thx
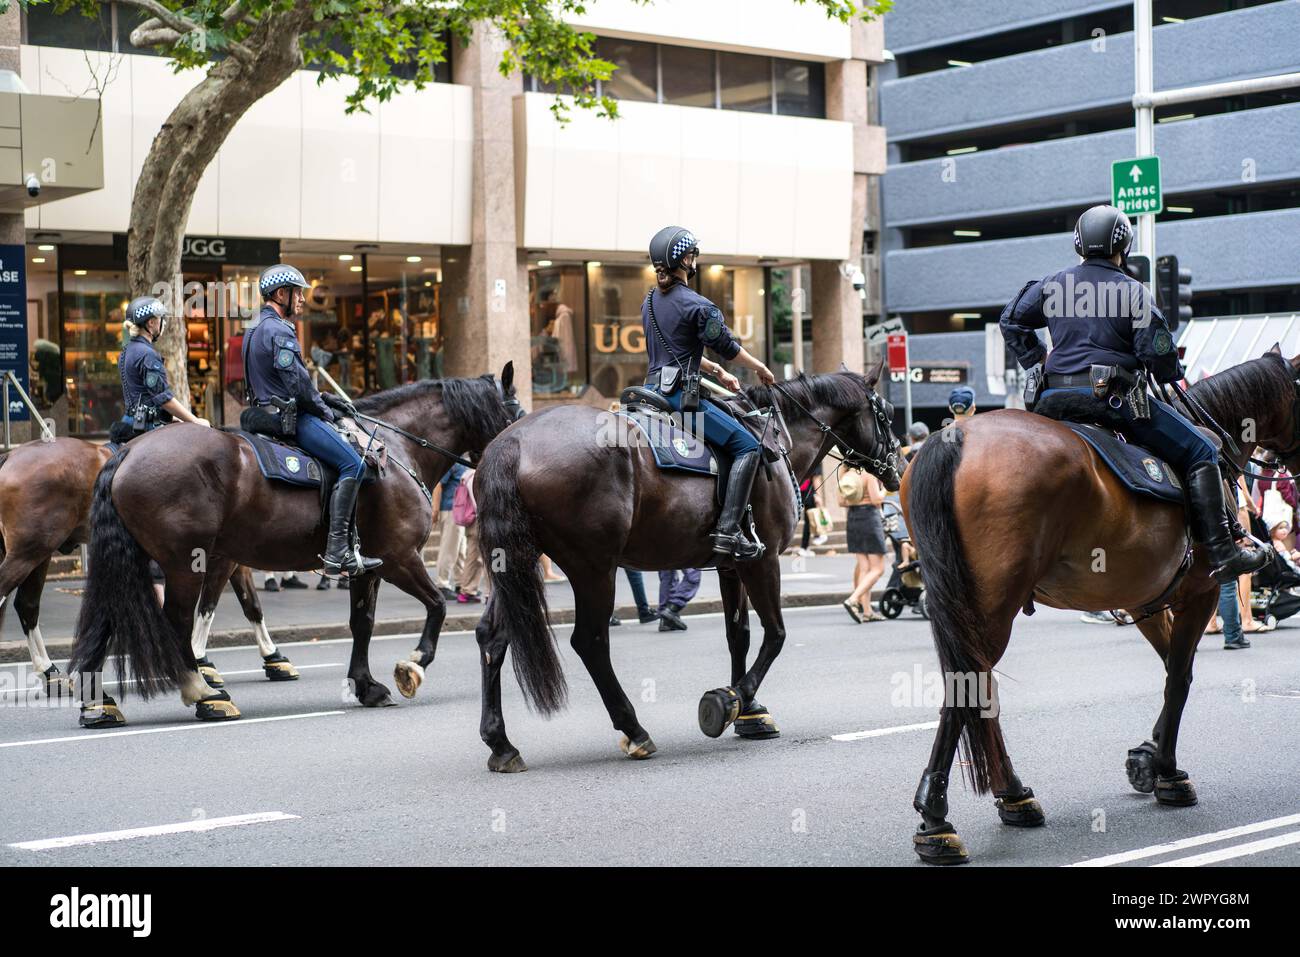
1106 336
679 323
146 395
278 380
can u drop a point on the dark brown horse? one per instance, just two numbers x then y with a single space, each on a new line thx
195 501
554 483
45 494
984 499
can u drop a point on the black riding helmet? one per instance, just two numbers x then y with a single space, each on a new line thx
144 308
670 245
1102 231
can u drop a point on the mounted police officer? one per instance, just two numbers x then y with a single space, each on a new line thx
679 323
1107 335
278 380
146 395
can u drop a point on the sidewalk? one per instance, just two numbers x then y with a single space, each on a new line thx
304 615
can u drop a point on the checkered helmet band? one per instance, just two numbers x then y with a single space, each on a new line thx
275 277
670 244
144 308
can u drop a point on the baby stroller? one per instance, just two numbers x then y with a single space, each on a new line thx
1271 595
904 588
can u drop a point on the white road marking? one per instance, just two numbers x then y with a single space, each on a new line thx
1238 850
1155 850
40 689
184 827
197 726
881 732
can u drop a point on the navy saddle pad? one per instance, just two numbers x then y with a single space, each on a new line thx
673 448
1137 468
282 463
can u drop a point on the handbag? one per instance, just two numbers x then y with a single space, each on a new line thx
464 510
853 490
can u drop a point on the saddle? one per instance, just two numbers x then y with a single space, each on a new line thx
281 461
1094 421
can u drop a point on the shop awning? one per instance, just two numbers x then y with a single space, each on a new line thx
1211 345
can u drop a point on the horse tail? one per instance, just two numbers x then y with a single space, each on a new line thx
950 598
120 614
510 553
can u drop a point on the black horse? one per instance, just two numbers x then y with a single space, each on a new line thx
553 483
195 500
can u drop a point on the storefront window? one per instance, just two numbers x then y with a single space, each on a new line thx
746 82
402 320
618 356
94 307
738 291
688 77
637 76
558 327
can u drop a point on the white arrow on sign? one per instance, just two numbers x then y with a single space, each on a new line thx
1136 173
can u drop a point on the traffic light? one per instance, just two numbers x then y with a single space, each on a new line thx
1139 267
1173 291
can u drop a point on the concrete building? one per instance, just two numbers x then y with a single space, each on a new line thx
1003 121
453 228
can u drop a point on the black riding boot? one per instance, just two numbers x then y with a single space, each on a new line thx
728 538
341 554
1209 518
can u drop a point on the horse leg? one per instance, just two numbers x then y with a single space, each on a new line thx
214 580
754 721
182 592
593 591
936 840
364 593
275 666
761 581
413 578
492 644
1140 764
27 601
1172 786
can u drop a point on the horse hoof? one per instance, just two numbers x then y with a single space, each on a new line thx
1022 812
1176 790
107 715
279 668
756 724
510 763
638 751
409 676
941 847
374 695
718 709
1140 767
210 673
57 684
217 707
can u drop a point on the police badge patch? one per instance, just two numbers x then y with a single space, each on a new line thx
292 463
1162 342
152 381
1154 470
713 327
681 445
284 358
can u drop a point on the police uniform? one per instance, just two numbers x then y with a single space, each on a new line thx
144 384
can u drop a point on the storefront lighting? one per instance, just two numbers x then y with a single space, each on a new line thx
38 259
413 259
595 264
1179 209
966 315
762 292
78 272
972 233
543 263
345 257
958 63
716 268
46 248
427 283
354 269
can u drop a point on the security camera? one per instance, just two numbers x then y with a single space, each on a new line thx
859 279
33 185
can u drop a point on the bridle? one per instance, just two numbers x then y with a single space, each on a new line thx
881 459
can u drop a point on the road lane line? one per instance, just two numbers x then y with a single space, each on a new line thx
130 834
881 732
105 735
1237 850
39 689
1155 850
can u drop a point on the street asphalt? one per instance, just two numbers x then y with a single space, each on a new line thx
338 784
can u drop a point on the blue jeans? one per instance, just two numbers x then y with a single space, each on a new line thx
721 430
676 592
637 582
320 439
1167 434
1230 612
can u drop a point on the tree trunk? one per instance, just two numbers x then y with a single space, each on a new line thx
181 152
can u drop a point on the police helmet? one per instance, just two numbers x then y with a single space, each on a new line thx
670 245
143 308
1102 231
277 277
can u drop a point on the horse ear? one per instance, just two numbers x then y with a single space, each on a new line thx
873 377
508 377
1276 350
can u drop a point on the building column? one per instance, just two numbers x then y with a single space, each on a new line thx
485 284
13 226
836 305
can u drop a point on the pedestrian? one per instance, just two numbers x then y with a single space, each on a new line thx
469 569
862 495
645 614
274 581
917 433
811 501
676 589
449 533
961 402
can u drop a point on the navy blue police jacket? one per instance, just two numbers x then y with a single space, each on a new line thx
144 378
1097 314
689 323
273 365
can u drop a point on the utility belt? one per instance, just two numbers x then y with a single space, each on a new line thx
670 378
145 416
275 417
1116 385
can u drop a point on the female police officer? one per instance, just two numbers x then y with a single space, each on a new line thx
276 376
679 323
145 393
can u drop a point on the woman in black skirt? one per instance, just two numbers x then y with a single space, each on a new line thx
862 494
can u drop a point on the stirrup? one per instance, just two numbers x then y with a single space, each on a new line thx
738 545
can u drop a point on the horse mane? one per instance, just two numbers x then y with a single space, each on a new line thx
1242 390
473 404
844 391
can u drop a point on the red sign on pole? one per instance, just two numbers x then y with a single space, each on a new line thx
897 351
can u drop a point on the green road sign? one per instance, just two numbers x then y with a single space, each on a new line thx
1135 185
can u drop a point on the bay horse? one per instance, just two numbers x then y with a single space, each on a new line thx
45 494
553 483
195 500
984 500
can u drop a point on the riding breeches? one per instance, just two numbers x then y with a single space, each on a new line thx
317 437
721 430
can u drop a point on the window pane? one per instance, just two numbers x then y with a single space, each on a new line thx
688 76
637 75
46 28
800 88
402 317
739 292
557 310
617 342
746 82
94 305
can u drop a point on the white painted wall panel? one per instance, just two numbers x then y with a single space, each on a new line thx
260 167
340 164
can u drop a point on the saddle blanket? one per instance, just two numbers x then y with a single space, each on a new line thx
673 448
1137 468
282 463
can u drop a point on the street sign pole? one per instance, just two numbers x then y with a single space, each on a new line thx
1144 117
898 358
